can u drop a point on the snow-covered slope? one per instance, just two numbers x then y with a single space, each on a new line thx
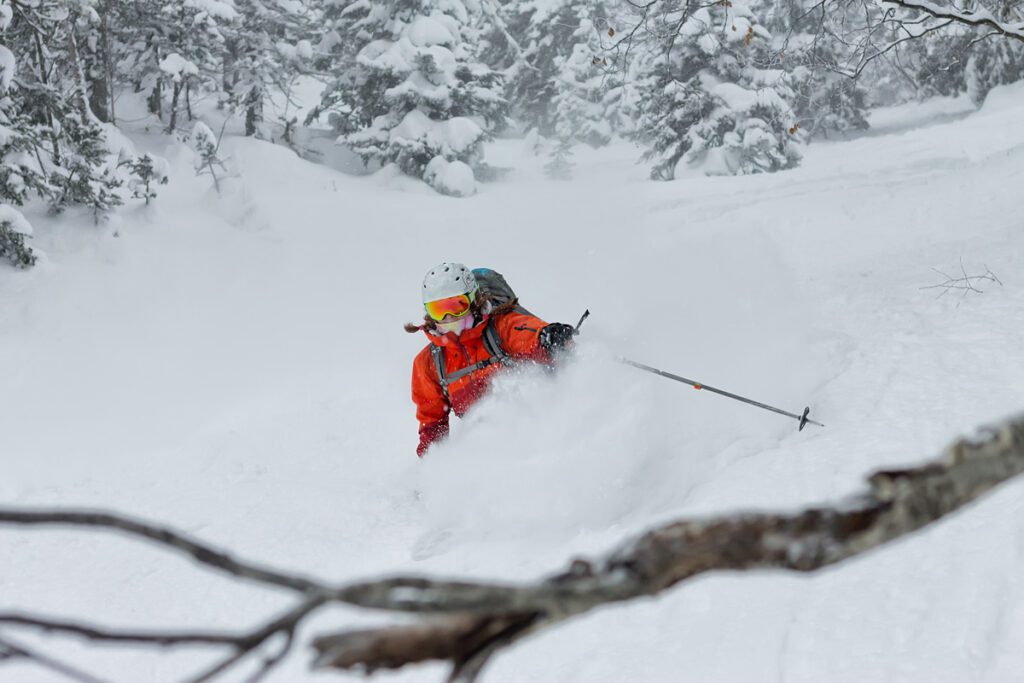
236 366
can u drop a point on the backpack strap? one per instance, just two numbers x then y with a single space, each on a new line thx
492 344
439 365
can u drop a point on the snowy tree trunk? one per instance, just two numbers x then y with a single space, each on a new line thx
155 99
253 110
82 97
99 72
175 94
42 68
229 76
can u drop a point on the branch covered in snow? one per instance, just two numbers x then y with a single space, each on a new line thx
979 16
465 623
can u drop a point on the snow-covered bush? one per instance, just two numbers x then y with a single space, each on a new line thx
207 147
147 171
453 178
14 229
414 90
559 167
706 103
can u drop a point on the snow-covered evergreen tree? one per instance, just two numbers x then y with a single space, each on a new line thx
267 48
52 145
580 107
169 47
17 177
993 62
415 89
560 81
57 144
559 167
705 101
826 99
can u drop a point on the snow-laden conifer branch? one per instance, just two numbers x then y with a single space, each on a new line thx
465 622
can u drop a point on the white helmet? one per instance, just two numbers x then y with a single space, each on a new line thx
448 279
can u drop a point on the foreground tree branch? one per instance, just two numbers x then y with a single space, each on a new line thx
11 651
465 623
202 553
897 503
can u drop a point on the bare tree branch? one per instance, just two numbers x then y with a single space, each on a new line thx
465 623
286 624
897 503
966 283
204 554
12 651
100 634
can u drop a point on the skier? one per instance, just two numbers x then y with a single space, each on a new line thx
473 332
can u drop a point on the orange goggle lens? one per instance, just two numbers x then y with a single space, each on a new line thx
455 306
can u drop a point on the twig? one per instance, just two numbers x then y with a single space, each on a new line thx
200 552
100 634
10 650
966 283
286 623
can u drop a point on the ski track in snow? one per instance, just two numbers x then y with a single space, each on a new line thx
235 366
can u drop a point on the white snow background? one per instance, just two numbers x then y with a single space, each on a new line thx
235 366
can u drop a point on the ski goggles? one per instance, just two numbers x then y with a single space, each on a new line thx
455 306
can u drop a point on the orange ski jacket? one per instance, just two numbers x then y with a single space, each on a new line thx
518 334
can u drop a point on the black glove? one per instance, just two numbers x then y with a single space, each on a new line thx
556 336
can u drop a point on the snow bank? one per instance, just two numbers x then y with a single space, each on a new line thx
453 178
1004 98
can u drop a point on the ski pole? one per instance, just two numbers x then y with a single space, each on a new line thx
586 314
804 420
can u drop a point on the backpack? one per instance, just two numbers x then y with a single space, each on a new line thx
496 289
